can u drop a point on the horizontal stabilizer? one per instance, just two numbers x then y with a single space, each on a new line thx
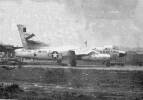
29 36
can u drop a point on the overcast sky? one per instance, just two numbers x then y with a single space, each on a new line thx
71 22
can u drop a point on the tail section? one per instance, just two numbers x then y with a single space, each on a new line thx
22 32
25 38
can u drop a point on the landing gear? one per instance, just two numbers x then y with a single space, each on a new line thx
71 58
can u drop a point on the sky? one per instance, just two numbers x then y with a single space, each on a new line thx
72 22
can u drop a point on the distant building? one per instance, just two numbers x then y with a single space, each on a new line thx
6 50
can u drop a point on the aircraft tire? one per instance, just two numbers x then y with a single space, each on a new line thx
72 58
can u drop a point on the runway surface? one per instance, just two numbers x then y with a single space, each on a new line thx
96 67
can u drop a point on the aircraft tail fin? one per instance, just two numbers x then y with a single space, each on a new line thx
25 38
22 32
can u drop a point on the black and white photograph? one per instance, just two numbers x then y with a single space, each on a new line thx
71 49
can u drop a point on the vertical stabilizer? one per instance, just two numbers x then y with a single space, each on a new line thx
22 32
26 39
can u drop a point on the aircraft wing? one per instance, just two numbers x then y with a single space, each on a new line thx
80 52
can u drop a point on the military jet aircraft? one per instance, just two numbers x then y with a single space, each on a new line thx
38 50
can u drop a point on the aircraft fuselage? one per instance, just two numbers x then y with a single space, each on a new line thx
39 54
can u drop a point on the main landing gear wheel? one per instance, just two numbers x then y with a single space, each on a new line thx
71 58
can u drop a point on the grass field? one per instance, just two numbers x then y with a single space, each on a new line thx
76 83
